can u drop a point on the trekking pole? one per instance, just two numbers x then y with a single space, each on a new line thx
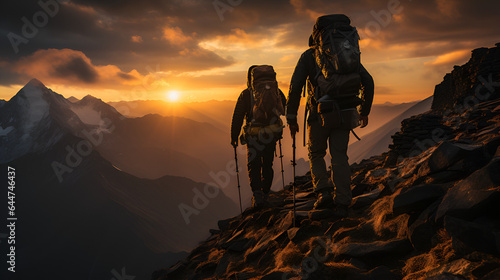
238 177
282 171
293 186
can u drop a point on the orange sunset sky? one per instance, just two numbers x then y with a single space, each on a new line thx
197 50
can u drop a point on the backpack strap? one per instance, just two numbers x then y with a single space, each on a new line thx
306 111
316 93
252 103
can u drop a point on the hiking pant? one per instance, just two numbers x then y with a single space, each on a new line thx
320 139
260 164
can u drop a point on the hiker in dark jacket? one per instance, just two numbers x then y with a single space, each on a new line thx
260 139
320 137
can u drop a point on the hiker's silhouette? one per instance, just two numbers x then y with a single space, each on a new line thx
332 72
260 106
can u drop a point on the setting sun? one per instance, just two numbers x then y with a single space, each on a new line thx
173 95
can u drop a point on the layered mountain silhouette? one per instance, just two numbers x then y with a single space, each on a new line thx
152 145
425 209
219 113
79 215
216 115
376 142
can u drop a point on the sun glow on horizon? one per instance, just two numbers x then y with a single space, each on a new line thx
173 95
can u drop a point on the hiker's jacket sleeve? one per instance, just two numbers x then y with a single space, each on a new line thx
297 83
240 111
368 89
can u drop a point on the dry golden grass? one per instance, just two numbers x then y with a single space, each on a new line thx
289 256
215 255
417 267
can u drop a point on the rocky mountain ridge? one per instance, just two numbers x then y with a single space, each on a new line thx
427 209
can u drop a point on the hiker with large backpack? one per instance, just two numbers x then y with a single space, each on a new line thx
260 106
340 94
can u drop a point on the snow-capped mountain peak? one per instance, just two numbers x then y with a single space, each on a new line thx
92 110
33 104
35 83
37 117
31 121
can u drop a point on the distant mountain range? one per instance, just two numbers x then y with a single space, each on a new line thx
79 215
381 114
219 114
377 141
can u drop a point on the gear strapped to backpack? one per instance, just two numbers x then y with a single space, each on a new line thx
338 63
266 103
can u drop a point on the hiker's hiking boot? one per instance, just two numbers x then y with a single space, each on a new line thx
324 201
341 211
258 199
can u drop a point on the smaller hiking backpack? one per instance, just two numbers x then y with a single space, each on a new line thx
266 100
337 55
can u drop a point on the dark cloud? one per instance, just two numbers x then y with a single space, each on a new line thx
105 36
68 67
103 30
297 34
77 68
9 77
125 76
457 24
454 24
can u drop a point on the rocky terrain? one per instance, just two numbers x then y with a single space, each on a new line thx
426 209
459 88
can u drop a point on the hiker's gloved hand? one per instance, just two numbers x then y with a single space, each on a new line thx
294 127
234 143
363 120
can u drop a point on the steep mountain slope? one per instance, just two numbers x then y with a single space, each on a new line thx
427 209
93 111
460 87
195 139
27 125
153 146
377 141
72 99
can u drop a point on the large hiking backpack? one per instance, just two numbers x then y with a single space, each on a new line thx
266 100
338 63
267 106
337 55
